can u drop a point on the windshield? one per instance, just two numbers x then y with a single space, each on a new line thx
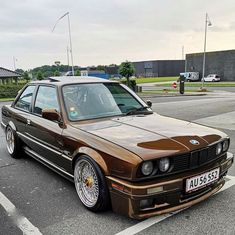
96 100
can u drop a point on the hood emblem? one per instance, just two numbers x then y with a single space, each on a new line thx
194 142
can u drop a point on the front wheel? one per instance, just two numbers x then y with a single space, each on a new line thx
91 185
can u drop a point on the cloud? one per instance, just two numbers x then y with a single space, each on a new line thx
106 32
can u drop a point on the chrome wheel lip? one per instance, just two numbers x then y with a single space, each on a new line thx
88 194
10 140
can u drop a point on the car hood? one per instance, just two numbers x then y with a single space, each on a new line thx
153 136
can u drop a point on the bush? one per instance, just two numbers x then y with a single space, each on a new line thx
132 83
10 91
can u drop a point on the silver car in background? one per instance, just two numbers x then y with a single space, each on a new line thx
212 78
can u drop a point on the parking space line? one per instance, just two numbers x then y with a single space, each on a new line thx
157 219
22 222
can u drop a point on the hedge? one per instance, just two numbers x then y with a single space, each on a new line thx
10 91
132 83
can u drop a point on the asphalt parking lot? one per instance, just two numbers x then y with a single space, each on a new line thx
34 196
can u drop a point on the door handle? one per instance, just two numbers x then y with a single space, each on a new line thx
28 122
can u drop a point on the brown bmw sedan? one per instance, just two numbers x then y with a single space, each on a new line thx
118 152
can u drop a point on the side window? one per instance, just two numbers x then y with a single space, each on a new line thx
25 99
46 99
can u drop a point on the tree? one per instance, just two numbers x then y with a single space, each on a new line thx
56 73
21 71
39 75
77 73
126 69
100 67
26 76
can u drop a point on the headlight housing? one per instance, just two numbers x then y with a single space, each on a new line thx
164 164
225 145
147 168
219 148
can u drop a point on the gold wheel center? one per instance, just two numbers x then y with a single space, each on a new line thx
89 181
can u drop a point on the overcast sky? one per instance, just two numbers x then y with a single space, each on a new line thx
111 31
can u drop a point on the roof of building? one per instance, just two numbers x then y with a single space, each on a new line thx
210 52
6 73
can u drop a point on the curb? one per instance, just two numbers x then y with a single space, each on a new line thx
170 95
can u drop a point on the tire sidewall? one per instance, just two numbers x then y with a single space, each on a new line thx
15 153
103 200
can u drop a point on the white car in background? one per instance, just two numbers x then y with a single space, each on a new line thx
212 78
190 76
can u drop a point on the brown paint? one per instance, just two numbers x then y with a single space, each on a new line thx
119 145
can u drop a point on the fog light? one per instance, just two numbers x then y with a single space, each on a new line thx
154 190
146 203
219 149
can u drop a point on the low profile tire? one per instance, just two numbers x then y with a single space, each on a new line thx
90 184
13 143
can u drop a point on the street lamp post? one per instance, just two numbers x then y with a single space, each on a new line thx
70 38
207 23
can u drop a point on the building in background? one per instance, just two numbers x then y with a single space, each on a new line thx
6 75
112 71
217 62
159 68
94 73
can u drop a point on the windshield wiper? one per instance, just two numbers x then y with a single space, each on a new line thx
143 110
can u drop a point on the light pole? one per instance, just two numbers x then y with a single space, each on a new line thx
207 23
70 38
14 63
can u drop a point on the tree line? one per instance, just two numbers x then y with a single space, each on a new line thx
125 69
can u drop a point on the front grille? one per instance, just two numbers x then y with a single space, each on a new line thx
195 159
188 161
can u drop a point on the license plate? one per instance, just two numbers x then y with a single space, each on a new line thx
202 180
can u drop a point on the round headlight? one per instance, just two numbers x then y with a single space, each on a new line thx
147 168
219 148
225 145
164 164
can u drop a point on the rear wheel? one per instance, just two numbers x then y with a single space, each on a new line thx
91 185
13 143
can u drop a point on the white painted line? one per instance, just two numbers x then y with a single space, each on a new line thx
146 223
157 219
22 223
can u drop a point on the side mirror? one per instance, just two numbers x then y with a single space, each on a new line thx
51 114
149 103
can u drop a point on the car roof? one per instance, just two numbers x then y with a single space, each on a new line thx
63 80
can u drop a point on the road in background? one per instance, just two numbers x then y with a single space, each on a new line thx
161 86
50 202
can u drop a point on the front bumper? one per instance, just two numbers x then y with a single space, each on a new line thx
168 194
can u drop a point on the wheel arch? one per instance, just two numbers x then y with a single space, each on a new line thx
94 155
12 125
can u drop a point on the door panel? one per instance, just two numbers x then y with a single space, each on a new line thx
44 136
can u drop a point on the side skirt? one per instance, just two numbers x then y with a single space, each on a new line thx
49 164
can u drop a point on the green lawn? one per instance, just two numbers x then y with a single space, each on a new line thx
155 79
6 99
206 84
